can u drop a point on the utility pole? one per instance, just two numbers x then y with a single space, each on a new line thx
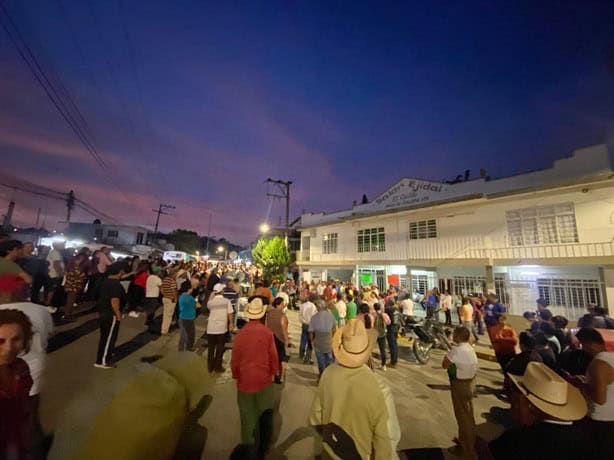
209 233
159 211
70 204
284 188
6 224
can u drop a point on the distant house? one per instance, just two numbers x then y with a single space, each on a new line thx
111 234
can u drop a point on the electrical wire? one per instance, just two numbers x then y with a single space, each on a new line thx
51 92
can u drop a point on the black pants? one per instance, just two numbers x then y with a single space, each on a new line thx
109 328
150 304
448 317
215 351
381 342
391 337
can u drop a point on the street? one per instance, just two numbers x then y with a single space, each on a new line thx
421 391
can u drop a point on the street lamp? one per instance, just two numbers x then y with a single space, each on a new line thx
264 228
223 250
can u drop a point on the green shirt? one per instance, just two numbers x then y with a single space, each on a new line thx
8 267
351 311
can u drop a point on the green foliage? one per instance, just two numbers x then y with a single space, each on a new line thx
272 256
184 240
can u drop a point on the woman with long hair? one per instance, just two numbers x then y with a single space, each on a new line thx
15 384
277 321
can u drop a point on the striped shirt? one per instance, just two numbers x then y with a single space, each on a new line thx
169 288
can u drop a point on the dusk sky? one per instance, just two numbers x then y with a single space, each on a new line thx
196 103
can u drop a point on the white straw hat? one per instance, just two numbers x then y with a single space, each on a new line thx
550 393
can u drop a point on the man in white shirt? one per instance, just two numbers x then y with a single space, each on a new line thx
55 258
407 305
42 328
462 365
152 297
342 310
306 312
219 323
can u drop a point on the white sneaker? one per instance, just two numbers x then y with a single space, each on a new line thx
133 314
383 368
51 310
104 366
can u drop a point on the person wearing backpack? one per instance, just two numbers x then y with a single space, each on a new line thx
393 311
382 321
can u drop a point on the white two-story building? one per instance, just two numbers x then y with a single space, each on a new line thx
545 233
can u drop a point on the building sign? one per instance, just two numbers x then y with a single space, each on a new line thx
408 192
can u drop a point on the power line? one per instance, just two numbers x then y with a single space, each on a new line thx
39 74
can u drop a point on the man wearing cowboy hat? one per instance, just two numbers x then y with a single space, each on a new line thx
254 364
353 409
219 323
546 406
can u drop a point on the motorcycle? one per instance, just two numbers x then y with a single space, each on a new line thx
428 334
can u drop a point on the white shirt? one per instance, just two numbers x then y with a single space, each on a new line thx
219 308
465 359
306 312
152 286
408 307
42 328
341 309
54 256
446 302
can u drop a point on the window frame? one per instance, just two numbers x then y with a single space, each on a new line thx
423 229
371 240
330 243
542 225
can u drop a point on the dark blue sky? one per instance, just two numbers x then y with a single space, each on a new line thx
197 103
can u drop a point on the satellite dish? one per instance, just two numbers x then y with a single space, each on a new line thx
233 255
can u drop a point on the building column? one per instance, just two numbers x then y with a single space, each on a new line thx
607 278
490 280
409 280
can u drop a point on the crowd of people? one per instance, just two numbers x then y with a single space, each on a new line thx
559 381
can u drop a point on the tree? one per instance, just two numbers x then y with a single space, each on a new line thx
185 240
272 256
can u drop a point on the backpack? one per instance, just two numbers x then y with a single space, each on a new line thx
380 325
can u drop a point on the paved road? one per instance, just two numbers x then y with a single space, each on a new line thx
421 391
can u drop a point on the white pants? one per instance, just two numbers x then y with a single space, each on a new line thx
167 314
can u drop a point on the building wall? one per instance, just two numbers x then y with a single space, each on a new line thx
474 232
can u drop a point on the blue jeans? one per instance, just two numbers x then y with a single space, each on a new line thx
324 360
391 337
304 349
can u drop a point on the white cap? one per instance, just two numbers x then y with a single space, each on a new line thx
219 287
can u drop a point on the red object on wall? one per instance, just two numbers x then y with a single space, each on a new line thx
393 280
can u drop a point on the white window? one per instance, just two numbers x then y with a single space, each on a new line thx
329 243
423 229
467 285
570 295
420 283
372 240
542 225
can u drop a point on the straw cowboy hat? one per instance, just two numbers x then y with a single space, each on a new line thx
283 295
352 344
255 309
550 393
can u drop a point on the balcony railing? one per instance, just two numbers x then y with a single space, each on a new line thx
470 248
